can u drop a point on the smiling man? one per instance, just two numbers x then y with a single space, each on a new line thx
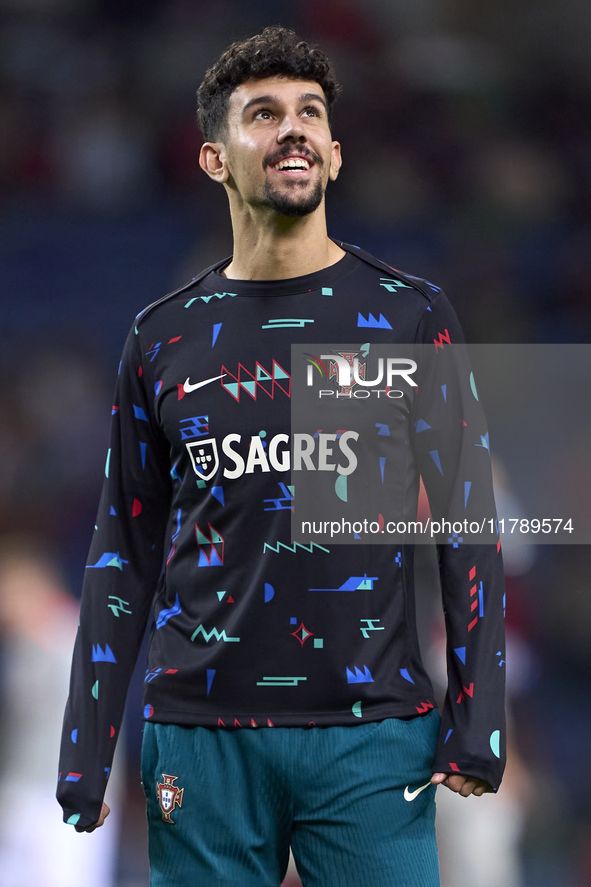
296 179
285 701
273 151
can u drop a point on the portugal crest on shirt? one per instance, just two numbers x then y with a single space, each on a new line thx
169 796
204 457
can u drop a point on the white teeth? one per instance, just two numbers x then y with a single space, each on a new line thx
292 164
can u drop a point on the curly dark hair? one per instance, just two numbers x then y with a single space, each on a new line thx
277 51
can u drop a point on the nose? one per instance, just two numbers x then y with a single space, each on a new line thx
291 128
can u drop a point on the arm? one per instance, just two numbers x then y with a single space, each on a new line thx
121 576
454 462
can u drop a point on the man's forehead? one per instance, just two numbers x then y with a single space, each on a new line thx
277 88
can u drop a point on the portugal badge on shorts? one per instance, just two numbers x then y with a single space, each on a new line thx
169 796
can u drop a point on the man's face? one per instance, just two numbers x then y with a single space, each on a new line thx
279 150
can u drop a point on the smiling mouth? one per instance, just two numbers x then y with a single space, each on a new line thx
289 164
294 163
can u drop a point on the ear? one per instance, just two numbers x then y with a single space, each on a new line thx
212 160
335 161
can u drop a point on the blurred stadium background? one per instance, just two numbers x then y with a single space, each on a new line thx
466 131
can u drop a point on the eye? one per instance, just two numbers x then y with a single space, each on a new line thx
263 114
311 111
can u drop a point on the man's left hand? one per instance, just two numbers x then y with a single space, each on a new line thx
464 785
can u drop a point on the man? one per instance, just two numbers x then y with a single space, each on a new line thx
276 715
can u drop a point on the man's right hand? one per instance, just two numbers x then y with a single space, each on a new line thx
90 828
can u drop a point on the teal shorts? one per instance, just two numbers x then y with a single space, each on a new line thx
224 806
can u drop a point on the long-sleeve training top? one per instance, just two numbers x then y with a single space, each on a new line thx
250 630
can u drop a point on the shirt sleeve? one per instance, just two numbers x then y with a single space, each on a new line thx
121 576
451 444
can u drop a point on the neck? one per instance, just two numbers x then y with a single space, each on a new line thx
279 247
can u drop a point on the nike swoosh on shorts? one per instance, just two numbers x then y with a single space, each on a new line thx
410 796
187 387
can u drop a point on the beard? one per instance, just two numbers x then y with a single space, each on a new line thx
289 203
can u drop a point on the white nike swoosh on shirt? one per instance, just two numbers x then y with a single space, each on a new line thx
410 796
187 387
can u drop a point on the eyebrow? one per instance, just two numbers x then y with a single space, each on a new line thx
273 99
